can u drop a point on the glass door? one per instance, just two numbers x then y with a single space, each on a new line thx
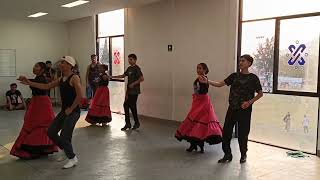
110 48
117 88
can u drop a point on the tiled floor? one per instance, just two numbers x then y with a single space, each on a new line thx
150 153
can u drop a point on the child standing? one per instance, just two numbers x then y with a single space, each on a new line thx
201 124
241 97
33 141
99 110
135 77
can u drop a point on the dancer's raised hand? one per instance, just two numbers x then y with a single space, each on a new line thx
203 79
24 80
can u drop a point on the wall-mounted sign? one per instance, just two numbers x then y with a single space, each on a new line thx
170 48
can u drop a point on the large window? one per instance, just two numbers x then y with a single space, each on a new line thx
260 44
110 40
117 54
283 38
110 50
111 23
299 54
287 121
258 9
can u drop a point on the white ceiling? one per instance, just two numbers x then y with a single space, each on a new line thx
20 9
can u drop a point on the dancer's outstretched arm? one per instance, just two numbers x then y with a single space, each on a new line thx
204 79
26 81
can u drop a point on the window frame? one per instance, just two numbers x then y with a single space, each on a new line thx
276 62
110 46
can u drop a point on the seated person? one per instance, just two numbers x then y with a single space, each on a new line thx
14 99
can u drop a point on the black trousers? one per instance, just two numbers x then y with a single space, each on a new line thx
131 103
65 124
243 117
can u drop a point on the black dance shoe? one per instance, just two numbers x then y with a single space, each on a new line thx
192 147
135 126
126 127
201 145
243 159
226 159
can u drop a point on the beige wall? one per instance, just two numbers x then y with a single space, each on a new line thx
200 32
33 41
82 43
41 41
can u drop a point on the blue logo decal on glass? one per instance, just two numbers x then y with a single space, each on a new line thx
296 54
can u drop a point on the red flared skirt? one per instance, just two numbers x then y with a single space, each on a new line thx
99 110
33 141
201 123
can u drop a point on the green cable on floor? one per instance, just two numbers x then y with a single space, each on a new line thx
296 154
